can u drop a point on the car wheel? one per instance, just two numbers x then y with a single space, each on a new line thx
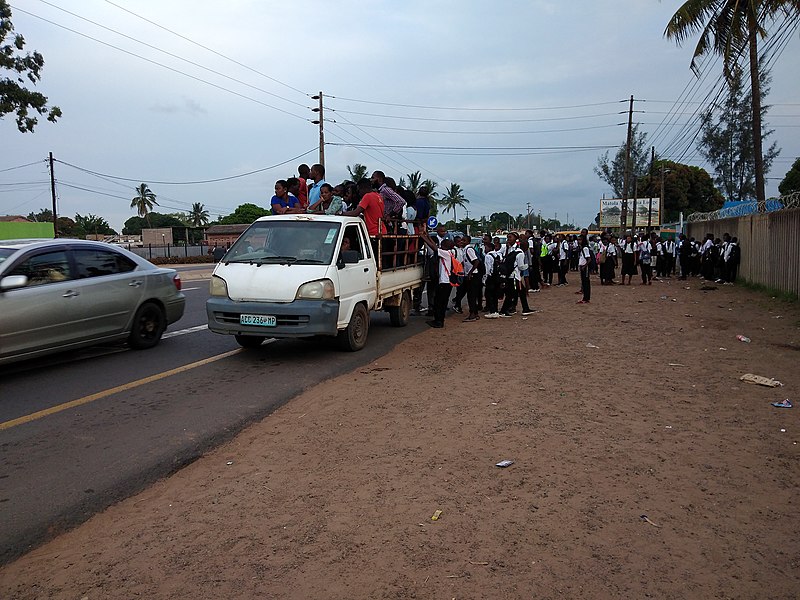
149 324
399 315
354 337
249 341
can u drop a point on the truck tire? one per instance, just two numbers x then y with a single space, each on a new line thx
354 337
398 315
249 341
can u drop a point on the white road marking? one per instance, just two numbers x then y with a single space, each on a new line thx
188 289
183 331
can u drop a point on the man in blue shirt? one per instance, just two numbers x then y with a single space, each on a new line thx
318 175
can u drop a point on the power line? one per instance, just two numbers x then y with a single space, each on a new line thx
440 120
191 41
38 162
187 182
186 60
162 65
478 132
466 108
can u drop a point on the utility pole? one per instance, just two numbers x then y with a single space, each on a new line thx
53 193
529 215
650 190
321 129
624 213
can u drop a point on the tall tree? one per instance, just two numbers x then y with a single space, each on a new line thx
433 195
612 170
94 224
414 181
791 182
453 198
687 189
357 172
45 215
244 213
198 216
730 28
144 201
14 97
726 141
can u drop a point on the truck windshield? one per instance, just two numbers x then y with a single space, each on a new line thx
305 242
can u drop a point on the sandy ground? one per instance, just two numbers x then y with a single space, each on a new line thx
332 496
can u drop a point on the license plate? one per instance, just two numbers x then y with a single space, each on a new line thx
262 320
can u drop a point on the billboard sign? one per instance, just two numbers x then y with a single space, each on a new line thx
611 212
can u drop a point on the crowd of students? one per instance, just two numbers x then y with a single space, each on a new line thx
490 272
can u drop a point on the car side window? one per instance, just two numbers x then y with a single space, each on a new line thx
92 262
43 268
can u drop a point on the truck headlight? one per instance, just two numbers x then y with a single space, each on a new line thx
218 287
321 289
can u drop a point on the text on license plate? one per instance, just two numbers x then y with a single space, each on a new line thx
263 320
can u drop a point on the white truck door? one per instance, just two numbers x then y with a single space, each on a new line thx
356 280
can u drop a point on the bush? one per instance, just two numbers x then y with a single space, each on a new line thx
183 260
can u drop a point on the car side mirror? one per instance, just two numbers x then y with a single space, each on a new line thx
13 282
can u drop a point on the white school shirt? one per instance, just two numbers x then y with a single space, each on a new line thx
445 265
411 214
469 256
563 248
586 254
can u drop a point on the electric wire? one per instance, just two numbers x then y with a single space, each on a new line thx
162 65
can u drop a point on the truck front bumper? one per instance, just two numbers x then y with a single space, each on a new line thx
301 318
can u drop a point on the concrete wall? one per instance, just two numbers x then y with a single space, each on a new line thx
770 245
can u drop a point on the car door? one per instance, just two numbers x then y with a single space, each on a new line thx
356 279
109 291
39 315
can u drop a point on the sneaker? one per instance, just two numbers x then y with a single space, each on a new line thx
537 290
493 315
525 313
583 302
435 324
470 319
505 315
458 309
511 313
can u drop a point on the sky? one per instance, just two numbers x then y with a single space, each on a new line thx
513 100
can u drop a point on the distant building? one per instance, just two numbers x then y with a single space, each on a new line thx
224 235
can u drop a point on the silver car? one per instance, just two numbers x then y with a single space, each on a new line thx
62 294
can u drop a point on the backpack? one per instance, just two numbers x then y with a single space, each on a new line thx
644 255
456 275
506 268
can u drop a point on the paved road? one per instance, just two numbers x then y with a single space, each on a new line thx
135 416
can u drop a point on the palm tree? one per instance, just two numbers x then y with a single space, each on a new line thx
453 198
729 28
198 216
357 172
144 201
414 181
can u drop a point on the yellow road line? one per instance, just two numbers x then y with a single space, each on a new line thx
120 388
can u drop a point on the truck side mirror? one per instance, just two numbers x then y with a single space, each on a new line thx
347 257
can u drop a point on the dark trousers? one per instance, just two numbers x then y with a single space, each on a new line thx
461 291
440 301
474 286
563 267
491 294
586 284
647 273
512 295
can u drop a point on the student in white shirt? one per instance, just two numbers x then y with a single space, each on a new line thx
513 280
584 261
645 259
443 289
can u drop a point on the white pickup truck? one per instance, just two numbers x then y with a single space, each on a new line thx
295 276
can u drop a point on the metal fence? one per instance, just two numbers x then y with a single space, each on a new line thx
151 251
769 242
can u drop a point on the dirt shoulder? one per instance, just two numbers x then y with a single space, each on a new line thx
332 495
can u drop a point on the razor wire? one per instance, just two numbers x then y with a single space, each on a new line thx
745 208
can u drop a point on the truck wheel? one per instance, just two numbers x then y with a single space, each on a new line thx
149 324
249 341
354 338
399 315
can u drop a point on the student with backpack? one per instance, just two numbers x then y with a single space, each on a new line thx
447 268
584 261
510 270
645 257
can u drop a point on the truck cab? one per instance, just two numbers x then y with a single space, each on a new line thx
292 276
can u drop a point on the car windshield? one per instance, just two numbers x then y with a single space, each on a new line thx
5 253
279 241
